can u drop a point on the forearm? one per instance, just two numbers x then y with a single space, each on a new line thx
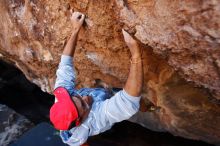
71 44
65 72
134 82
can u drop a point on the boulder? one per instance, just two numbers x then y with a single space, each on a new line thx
12 126
181 50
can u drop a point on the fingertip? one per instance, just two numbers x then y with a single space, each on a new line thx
83 16
124 32
79 17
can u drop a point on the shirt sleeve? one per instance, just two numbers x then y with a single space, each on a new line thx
65 74
116 109
76 136
121 107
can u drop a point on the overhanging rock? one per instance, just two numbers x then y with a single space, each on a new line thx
181 54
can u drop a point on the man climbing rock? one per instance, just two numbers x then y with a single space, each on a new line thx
81 113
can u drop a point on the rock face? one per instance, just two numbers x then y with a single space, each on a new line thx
181 50
12 125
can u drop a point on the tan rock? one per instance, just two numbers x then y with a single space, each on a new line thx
181 42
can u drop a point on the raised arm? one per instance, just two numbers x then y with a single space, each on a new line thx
126 102
65 72
134 82
77 20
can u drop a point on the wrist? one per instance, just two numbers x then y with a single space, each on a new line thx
136 55
75 31
74 34
136 60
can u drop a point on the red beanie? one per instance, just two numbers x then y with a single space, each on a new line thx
64 111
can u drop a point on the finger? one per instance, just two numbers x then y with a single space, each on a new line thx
76 15
125 34
81 17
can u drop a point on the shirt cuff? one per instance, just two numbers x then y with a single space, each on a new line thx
65 59
130 97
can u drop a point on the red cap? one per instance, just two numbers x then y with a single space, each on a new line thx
64 111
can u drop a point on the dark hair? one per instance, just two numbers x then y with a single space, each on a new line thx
73 124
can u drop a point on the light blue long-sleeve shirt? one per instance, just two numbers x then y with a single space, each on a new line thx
105 111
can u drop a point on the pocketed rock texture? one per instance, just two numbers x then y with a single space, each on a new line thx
180 41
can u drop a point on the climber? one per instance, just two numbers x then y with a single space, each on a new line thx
81 113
